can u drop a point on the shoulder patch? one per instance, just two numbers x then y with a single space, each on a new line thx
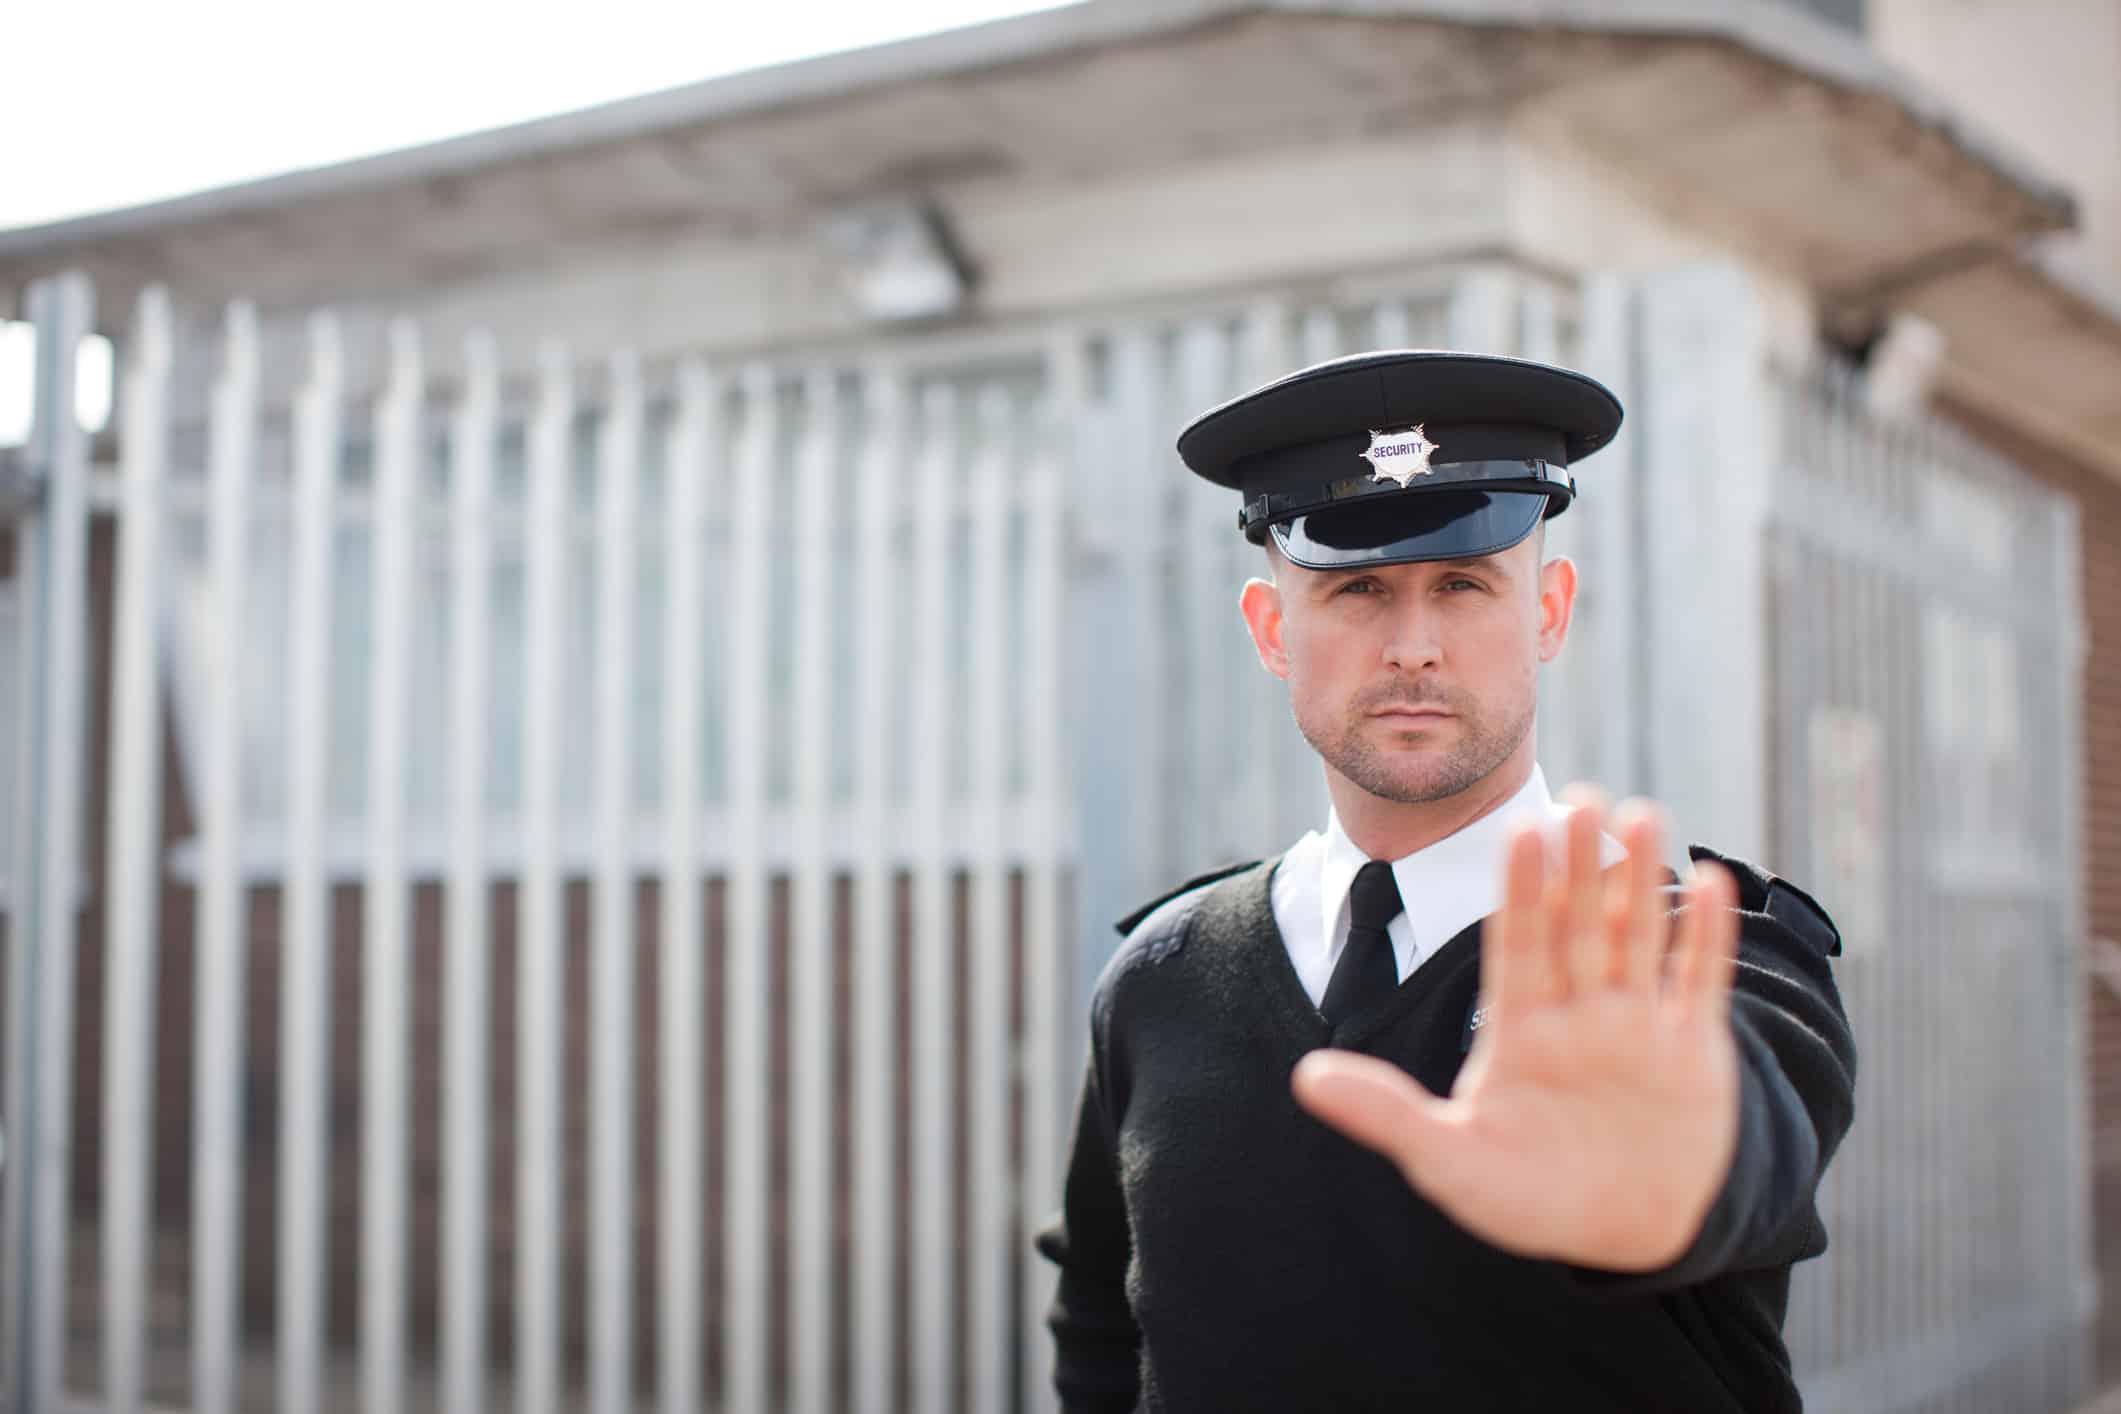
1134 920
1152 933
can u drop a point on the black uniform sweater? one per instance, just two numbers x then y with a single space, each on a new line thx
1220 1250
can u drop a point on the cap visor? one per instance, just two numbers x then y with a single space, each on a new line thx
1397 530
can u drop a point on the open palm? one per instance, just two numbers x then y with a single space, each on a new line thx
1596 1117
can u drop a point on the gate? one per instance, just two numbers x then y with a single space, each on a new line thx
1925 650
808 717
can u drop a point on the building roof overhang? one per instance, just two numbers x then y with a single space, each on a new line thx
1783 134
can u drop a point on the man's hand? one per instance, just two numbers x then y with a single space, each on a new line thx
1595 1119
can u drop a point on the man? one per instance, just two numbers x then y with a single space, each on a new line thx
1461 1103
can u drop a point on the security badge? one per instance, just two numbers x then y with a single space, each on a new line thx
1399 455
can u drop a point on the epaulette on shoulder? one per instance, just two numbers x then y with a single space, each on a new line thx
1134 920
1781 900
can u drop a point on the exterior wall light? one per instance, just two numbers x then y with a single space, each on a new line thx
897 259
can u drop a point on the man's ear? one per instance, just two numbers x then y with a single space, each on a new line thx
1261 605
1557 600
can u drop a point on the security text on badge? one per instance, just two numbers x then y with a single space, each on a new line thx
1399 455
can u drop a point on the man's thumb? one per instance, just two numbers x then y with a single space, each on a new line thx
1371 1101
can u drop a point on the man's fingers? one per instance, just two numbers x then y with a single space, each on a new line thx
1636 927
1718 893
1581 936
1705 958
1514 968
1373 1102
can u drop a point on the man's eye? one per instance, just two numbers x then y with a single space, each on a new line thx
1455 584
1359 586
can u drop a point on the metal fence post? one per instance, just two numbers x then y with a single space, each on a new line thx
46 873
1705 460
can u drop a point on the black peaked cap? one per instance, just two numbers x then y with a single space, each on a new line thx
1348 397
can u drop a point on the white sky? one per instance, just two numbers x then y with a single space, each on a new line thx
113 104
117 103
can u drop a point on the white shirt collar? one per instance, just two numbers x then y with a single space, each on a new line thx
1445 886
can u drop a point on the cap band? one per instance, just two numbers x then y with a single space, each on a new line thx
1447 525
1543 477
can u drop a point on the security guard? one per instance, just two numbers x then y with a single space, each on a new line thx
1460 1103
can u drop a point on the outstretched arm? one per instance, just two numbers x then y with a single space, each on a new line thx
1638 1101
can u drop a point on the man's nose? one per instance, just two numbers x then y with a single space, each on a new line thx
1413 643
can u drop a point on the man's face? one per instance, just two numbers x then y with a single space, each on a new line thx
1414 681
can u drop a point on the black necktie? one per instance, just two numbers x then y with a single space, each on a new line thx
1366 972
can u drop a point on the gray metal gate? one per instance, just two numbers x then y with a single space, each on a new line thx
1924 762
1840 644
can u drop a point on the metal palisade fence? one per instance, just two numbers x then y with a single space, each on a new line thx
640 833
694 644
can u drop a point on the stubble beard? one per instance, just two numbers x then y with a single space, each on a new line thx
1486 739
